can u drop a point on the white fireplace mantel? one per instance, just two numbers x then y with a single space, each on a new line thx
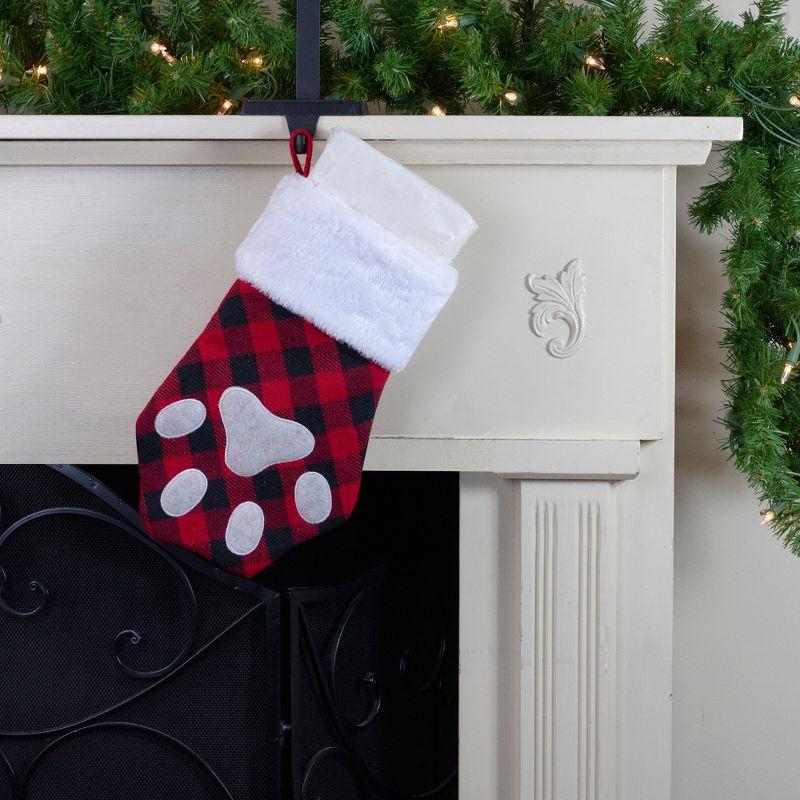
118 235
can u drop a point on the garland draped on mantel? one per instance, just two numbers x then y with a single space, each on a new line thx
517 57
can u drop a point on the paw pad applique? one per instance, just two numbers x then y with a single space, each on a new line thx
245 528
184 492
255 439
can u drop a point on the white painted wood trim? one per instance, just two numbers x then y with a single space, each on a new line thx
549 711
490 128
567 534
63 140
602 459
273 152
489 711
539 640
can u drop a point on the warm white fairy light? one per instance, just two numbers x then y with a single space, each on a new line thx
39 71
437 111
793 355
594 62
511 97
158 49
451 22
663 59
225 107
254 61
794 100
768 516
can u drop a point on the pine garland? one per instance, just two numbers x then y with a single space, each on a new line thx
496 57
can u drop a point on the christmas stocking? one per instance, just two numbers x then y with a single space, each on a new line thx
256 440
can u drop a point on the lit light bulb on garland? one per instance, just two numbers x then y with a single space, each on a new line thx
437 111
511 97
158 49
769 515
594 62
452 22
225 107
793 100
39 71
663 59
254 61
794 355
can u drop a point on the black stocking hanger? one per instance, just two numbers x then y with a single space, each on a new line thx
303 112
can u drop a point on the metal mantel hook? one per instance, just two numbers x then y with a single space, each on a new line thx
304 111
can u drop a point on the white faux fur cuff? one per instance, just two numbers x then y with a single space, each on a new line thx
397 198
345 273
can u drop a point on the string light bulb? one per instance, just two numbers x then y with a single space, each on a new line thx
437 111
768 516
255 61
794 354
450 22
511 97
225 107
39 71
663 59
158 49
794 100
594 62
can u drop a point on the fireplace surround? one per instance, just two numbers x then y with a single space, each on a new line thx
547 383
133 671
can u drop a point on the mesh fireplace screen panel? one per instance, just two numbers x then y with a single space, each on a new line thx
130 672
375 710
125 673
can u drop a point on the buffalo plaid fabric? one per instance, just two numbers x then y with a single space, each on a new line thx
299 373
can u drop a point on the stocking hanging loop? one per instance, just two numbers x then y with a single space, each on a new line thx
305 145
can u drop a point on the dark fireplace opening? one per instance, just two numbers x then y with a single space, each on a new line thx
131 671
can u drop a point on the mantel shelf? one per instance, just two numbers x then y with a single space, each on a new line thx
396 127
40 140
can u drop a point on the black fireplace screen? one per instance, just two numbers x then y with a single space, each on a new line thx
131 671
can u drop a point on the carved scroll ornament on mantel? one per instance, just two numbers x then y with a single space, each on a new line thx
559 297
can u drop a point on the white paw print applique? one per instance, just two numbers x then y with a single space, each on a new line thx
255 440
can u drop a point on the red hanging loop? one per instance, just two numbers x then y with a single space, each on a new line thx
301 169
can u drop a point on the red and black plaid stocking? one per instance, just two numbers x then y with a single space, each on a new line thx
256 440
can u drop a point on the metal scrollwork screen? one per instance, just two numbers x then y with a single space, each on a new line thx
129 671
124 672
